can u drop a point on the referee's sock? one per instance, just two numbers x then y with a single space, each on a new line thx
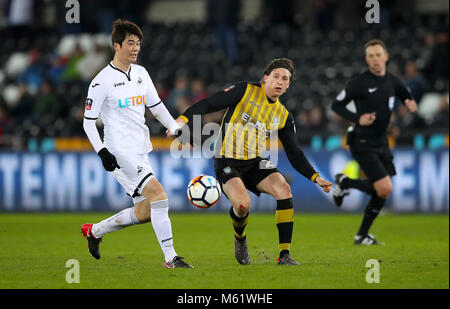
239 223
284 216
363 185
372 210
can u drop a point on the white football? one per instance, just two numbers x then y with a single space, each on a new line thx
204 191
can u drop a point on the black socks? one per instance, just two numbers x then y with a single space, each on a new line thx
285 223
239 224
372 210
363 185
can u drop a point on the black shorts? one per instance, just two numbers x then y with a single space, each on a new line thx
251 172
375 162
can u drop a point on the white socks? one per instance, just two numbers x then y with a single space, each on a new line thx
117 222
159 212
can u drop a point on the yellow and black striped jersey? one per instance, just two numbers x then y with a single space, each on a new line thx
250 119
248 124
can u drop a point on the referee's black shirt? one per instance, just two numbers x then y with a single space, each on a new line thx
371 93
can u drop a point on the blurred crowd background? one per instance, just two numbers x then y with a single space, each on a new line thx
193 48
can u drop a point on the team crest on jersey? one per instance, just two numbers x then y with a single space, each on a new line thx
88 104
139 169
139 81
266 164
227 170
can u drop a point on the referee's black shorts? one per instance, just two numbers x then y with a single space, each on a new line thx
251 171
376 163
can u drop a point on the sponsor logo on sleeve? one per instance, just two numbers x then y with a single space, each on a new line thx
88 104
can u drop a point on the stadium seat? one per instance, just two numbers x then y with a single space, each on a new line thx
324 61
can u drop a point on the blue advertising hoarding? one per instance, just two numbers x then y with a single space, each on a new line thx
77 182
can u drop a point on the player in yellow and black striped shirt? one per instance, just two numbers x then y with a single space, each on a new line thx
253 113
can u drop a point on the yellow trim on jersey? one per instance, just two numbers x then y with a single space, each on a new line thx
252 122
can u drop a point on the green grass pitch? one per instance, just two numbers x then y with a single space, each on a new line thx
35 248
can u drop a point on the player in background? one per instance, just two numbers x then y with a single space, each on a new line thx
253 113
374 93
120 93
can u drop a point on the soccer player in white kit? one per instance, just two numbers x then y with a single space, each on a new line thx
120 93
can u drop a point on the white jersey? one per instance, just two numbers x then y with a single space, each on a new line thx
120 98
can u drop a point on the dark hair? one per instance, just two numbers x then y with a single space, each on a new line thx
122 28
284 63
375 42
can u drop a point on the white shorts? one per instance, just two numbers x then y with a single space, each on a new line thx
134 173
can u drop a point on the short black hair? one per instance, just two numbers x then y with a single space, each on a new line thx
375 42
284 63
122 28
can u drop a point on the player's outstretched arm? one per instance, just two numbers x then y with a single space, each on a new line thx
325 184
296 156
215 102
180 122
211 104
159 110
157 107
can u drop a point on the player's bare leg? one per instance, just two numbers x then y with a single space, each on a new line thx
142 211
383 187
276 185
240 200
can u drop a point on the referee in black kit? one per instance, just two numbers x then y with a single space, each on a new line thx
374 93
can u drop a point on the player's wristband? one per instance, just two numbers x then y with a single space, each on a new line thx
314 177
184 118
